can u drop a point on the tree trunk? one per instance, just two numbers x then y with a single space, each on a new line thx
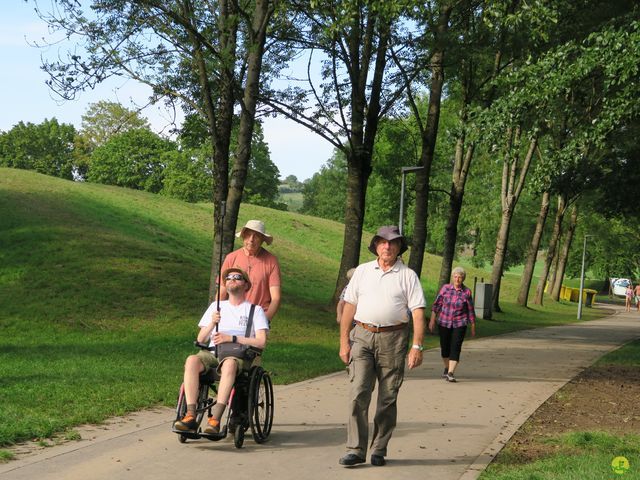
460 171
564 256
553 241
262 13
221 123
513 178
429 136
364 127
218 106
532 252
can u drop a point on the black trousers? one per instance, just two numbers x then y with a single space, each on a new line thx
451 341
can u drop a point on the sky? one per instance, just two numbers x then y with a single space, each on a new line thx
24 96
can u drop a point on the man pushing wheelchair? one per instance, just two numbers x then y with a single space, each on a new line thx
234 328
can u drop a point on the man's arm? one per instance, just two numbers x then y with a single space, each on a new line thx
260 340
346 324
415 355
339 308
204 335
274 291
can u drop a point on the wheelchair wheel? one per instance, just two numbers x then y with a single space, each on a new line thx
238 435
261 404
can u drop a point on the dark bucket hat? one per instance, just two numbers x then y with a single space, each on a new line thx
388 232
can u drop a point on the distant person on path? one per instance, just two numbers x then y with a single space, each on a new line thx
637 294
453 310
262 266
341 302
379 298
232 324
628 296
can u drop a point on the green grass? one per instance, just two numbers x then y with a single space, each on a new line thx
579 455
6 455
101 289
627 355
580 463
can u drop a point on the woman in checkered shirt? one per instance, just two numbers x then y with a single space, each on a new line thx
453 309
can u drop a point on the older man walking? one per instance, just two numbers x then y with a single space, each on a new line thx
380 296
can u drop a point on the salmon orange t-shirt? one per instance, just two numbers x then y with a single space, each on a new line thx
263 270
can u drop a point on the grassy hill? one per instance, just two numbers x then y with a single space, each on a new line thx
101 289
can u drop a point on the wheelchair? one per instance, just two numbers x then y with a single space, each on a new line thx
251 405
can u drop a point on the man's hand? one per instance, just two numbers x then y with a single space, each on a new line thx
215 318
345 352
414 359
219 338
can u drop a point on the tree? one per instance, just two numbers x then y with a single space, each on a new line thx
205 54
485 46
46 148
564 254
429 133
324 194
133 159
358 87
261 187
514 174
187 175
551 249
532 252
104 119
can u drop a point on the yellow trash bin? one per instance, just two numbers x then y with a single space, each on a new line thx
575 295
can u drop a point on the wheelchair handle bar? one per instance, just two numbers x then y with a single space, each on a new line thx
203 346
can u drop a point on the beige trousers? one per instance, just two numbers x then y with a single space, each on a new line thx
374 357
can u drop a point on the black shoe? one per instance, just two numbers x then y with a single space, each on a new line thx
378 460
351 459
451 378
444 374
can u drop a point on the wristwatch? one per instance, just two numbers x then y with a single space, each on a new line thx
417 347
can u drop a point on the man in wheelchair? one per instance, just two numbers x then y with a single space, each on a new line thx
228 325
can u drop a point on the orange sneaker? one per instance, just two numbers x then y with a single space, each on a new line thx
187 423
213 426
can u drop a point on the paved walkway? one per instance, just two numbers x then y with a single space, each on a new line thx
445 431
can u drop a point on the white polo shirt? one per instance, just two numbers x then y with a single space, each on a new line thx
384 298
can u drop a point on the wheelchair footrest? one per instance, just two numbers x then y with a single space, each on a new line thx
215 436
188 433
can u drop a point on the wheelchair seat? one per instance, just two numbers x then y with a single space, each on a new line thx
209 377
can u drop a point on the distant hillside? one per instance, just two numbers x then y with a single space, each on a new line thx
136 251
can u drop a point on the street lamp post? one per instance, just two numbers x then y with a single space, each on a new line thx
404 170
584 252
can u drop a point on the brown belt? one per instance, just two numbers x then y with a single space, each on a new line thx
374 329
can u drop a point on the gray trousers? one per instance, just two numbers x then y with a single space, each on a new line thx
381 357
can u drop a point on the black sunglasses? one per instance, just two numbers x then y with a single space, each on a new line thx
234 276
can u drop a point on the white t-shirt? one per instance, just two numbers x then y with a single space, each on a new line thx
234 319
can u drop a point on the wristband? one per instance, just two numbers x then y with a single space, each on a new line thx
234 339
417 347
